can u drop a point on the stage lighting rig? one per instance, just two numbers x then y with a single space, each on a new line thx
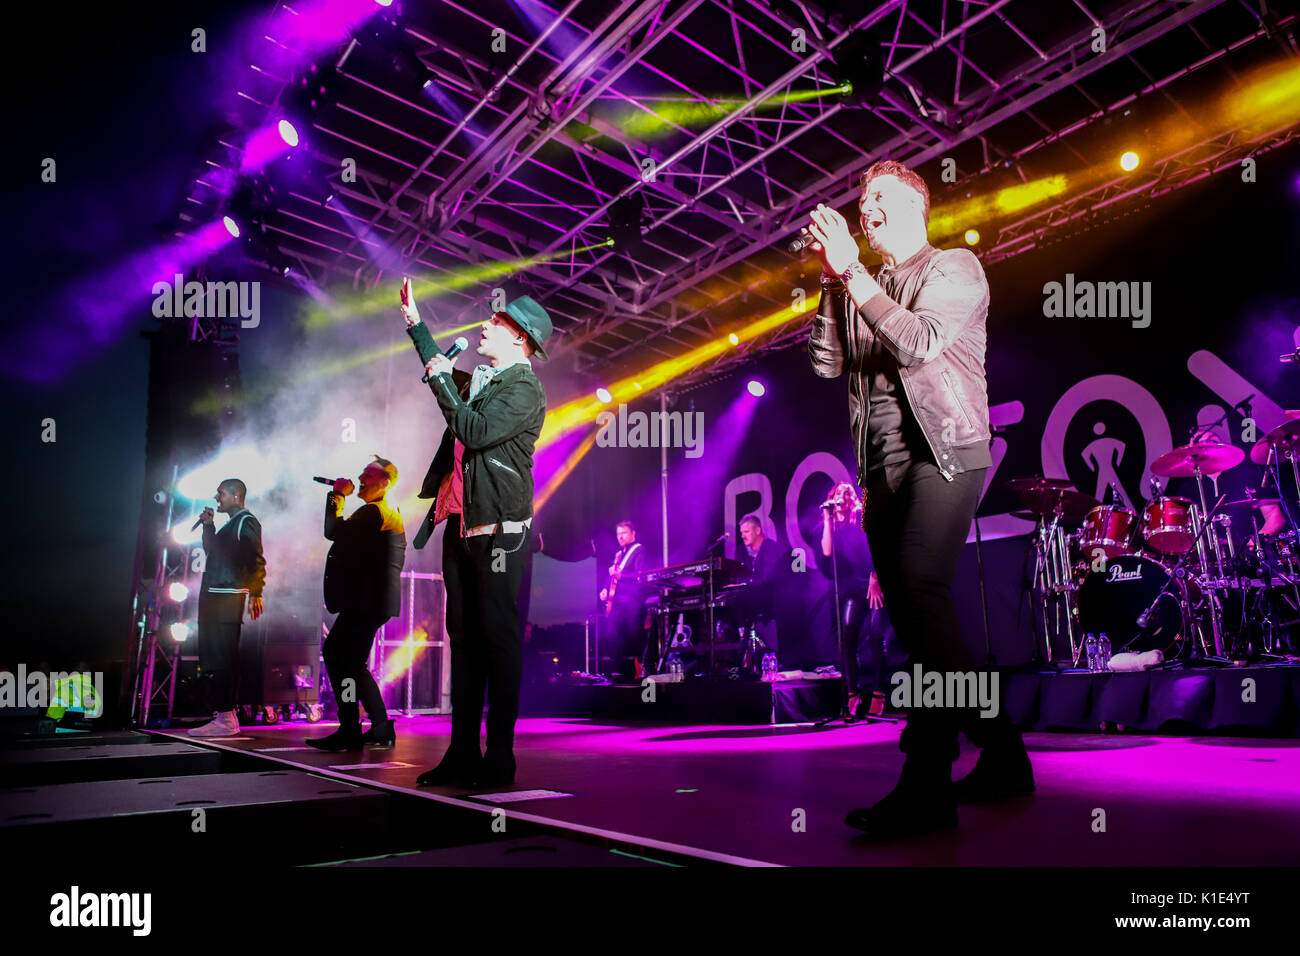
384 37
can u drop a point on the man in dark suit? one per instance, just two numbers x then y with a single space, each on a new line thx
481 483
363 577
626 619
767 580
234 570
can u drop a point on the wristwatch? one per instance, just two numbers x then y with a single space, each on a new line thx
856 268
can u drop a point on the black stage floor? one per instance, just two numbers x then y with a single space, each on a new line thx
777 795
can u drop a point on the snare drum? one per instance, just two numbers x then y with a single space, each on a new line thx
1108 528
1167 525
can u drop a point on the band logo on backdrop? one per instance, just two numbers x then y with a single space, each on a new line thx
1110 453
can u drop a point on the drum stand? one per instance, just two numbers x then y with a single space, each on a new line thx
1210 586
1055 584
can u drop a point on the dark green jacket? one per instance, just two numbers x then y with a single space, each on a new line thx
499 430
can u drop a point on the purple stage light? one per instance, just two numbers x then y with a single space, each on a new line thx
287 132
232 227
102 306
263 146
756 388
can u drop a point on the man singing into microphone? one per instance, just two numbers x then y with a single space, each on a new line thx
912 338
234 569
363 580
481 481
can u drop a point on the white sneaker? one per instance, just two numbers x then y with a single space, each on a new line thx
223 724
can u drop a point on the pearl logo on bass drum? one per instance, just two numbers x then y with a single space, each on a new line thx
1117 573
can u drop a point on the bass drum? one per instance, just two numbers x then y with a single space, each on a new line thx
1112 600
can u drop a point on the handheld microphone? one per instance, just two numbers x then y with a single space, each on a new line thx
197 521
826 505
801 243
323 481
460 345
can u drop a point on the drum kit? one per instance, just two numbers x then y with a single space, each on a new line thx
1215 581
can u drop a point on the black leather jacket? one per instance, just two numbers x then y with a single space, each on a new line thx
932 318
499 430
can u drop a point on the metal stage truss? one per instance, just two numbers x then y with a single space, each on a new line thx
547 147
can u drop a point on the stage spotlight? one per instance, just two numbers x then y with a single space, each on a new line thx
756 388
178 592
180 632
733 338
181 534
625 220
603 395
232 227
287 132
972 237
384 3
859 69
1129 161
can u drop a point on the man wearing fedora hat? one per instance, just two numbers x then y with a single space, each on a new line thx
481 483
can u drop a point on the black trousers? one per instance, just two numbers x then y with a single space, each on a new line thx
917 531
482 576
346 651
870 646
220 621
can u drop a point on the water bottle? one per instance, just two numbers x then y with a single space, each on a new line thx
1090 642
1103 652
769 666
674 667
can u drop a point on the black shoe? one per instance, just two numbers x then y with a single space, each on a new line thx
341 739
452 771
381 735
496 772
922 802
1002 772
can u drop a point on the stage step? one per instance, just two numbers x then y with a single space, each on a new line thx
275 817
528 852
40 765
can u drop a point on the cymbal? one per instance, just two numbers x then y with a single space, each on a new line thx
1250 502
1037 484
1212 457
1074 504
1284 438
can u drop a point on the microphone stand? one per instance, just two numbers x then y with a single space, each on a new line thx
845 715
1177 573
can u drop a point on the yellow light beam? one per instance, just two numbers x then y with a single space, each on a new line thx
553 483
581 411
